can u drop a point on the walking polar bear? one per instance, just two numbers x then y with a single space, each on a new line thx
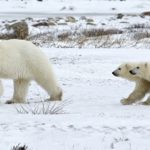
141 70
142 85
22 62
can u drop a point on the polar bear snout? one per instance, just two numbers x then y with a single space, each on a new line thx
133 72
115 73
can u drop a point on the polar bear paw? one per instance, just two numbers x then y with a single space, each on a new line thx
12 101
9 102
58 96
126 101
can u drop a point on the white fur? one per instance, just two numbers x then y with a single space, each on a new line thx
22 61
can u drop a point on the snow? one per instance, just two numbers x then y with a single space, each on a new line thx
73 6
134 26
94 119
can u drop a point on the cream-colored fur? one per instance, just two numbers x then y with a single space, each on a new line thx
141 70
22 62
142 86
1 88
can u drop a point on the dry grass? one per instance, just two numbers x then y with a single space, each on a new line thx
93 32
138 26
40 24
141 35
64 35
19 147
7 36
100 32
43 108
78 37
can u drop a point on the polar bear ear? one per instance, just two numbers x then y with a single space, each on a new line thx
146 64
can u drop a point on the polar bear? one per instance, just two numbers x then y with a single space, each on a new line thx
142 86
22 62
141 70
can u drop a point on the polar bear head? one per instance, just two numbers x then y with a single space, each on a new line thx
140 70
123 71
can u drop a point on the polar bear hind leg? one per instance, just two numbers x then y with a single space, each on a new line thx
20 91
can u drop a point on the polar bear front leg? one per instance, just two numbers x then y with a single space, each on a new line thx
20 91
57 95
51 87
135 96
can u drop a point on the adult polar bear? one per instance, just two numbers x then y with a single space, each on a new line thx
22 62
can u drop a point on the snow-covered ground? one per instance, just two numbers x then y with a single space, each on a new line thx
94 119
83 16
74 6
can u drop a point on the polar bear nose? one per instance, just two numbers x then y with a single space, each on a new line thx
132 72
114 73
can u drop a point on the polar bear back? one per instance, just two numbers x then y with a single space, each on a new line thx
21 59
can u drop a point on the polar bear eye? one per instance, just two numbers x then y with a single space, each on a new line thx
138 67
119 68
